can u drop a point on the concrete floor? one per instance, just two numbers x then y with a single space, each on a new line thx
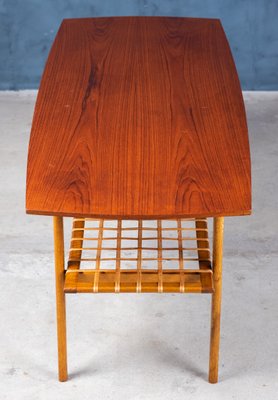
138 346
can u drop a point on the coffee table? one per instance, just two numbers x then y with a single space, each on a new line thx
139 133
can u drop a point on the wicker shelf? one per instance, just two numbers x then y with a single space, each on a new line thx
139 256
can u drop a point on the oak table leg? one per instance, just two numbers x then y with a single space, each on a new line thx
60 297
218 229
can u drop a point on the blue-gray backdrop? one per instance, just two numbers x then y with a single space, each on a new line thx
28 27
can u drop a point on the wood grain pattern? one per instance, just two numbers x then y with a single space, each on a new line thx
139 117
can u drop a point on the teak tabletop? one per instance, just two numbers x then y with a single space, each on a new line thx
139 117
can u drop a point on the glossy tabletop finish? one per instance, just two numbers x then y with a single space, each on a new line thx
139 117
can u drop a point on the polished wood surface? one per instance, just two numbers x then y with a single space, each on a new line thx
139 117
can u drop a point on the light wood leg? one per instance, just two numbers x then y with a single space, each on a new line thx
218 229
60 297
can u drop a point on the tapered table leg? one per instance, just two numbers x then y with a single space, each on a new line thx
60 297
218 229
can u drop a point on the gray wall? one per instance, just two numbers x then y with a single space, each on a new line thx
28 27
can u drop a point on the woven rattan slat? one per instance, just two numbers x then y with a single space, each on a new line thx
81 277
